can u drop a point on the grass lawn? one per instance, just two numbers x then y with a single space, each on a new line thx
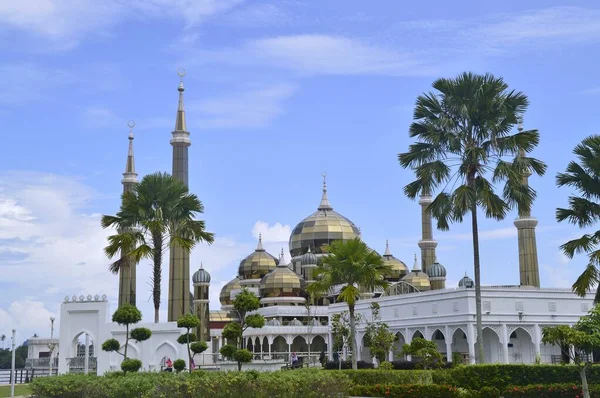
20 389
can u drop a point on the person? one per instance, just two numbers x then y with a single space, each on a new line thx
193 365
294 360
169 365
322 358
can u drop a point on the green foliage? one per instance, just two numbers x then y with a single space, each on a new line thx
489 392
242 356
6 357
549 391
127 314
245 302
198 347
407 391
183 339
228 350
255 321
188 321
111 345
159 213
386 365
426 351
131 365
584 211
179 365
340 329
378 337
141 334
377 376
457 359
232 331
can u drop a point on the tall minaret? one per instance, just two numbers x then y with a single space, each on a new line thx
427 244
201 280
179 259
528 259
127 276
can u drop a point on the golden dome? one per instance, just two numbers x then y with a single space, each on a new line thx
418 278
225 295
399 269
321 228
257 264
280 282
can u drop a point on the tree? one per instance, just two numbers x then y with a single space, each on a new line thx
243 303
584 211
188 321
179 365
584 337
425 351
378 337
2 339
357 269
127 315
157 215
464 137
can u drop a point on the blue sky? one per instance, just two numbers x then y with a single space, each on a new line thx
276 93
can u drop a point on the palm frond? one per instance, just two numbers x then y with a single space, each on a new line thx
586 281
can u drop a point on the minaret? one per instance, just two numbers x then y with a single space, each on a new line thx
127 275
427 244
528 259
201 281
179 259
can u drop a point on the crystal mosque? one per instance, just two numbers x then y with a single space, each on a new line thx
417 304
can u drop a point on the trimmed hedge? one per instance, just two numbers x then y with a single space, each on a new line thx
550 391
333 365
371 377
409 391
301 383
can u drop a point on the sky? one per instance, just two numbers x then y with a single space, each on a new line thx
277 92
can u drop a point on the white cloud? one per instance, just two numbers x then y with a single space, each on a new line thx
557 276
101 118
27 317
23 82
271 233
492 234
247 109
258 15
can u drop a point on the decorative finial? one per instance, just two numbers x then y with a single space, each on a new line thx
465 273
324 205
281 259
308 251
324 174
181 74
131 125
416 265
259 247
201 265
387 248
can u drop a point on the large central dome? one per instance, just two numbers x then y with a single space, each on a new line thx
321 228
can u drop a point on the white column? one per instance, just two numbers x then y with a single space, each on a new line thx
359 347
330 345
448 340
408 341
504 342
86 357
471 342
537 339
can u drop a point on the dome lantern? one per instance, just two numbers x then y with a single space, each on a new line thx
257 264
418 278
399 269
201 276
281 286
466 282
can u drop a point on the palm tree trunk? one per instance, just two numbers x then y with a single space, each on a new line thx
156 277
353 336
476 266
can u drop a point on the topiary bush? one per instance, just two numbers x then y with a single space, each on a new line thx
131 365
408 391
179 365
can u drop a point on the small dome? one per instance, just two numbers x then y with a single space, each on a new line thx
466 282
257 264
282 281
436 270
273 322
201 276
225 295
417 278
295 322
309 258
399 269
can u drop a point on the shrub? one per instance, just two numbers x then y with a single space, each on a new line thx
373 377
179 365
141 334
489 392
131 365
385 365
549 391
407 391
348 365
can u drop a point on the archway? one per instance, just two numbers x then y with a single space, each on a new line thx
318 344
265 347
76 359
440 341
299 345
279 348
417 335
165 351
492 349
365 353
250 345
520 347
460 344
397 347
257 348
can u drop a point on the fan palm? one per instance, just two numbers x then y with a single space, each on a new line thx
355 267
464 137
584 211
158 214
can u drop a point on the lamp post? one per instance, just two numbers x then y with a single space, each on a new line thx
51 345
12 365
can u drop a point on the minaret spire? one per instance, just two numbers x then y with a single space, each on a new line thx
179 259
387 248
259 246
528 260
127 274
324 205
427 243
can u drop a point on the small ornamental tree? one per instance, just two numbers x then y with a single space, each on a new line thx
243 303
426 351
179 365
188 321
340 330
127 315
584 337
378 337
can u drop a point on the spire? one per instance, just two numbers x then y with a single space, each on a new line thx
130 176
180 121
281 260
416 267
387 249
259 247
324 205
201 265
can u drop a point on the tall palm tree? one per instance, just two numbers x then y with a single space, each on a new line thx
158 213
463 134
2 338
355 268
584 211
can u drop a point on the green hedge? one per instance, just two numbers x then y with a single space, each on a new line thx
409 391
372 377
305 383
550 391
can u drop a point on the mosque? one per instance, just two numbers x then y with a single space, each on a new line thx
417 304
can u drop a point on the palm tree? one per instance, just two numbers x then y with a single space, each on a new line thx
584 210
157 214
354 267
2 338
464 137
